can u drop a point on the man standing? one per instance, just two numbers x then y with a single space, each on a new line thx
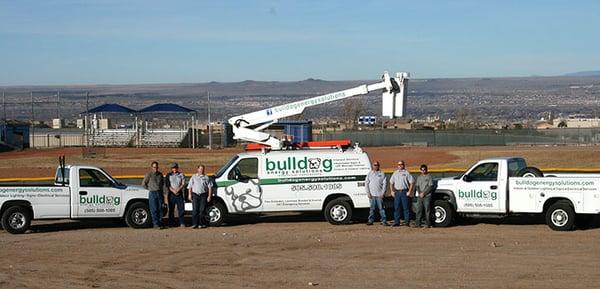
424 190
200 191
175 182
154 182
375 185
401 185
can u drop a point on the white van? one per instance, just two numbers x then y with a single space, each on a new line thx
328 180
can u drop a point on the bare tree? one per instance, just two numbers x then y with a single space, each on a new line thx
352 109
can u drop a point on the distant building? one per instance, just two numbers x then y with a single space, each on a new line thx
577 122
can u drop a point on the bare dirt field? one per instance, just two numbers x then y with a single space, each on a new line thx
135 161
293 251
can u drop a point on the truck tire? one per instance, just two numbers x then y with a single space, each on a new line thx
338 211
16 220
530 172
443 213
216 214
560 216
138 216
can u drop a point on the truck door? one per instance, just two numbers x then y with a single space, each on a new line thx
244 193
479 190
97 195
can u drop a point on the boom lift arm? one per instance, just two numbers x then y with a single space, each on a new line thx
249 126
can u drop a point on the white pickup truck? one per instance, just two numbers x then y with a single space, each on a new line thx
499 187
85 192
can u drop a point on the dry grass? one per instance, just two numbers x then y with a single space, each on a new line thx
132 161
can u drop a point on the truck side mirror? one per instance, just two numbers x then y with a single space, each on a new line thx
467 178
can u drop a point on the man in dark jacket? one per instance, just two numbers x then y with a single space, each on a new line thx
154 182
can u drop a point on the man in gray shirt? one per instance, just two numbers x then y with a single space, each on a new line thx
174 183
154 182
424 190
375 185
200 191
401 185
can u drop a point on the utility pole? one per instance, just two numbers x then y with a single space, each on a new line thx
209 123
32 120
193 133
4 106
58 104
85 120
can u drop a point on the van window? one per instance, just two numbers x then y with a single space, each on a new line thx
484 172
245 169
93 178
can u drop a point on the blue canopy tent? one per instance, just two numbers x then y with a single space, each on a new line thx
189 125
111 108
166 107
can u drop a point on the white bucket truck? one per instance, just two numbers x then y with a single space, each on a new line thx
275 176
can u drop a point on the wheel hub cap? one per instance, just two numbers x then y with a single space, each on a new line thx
339 213
440 215
214 214
140 216
17 221
560 217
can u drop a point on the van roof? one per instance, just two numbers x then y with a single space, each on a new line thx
293 152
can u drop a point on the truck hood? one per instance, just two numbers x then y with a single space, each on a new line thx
446 183
137 190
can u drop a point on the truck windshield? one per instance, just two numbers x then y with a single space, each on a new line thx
222 170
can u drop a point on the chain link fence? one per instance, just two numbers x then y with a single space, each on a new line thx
479 137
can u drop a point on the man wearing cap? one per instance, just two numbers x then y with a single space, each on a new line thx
200 191
154 182
401 185
375 185
424 190
174 183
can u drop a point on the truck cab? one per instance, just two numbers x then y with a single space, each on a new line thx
482 188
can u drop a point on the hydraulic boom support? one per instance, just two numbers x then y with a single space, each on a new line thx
249 126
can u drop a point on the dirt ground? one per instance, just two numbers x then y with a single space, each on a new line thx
296 251
135 161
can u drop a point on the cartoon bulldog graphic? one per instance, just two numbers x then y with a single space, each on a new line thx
244 198
314 164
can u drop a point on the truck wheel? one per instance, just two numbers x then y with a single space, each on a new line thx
138 216
530 172
16 220
338 211
443 213
560 216
215 214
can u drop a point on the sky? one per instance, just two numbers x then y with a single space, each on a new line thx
55 42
